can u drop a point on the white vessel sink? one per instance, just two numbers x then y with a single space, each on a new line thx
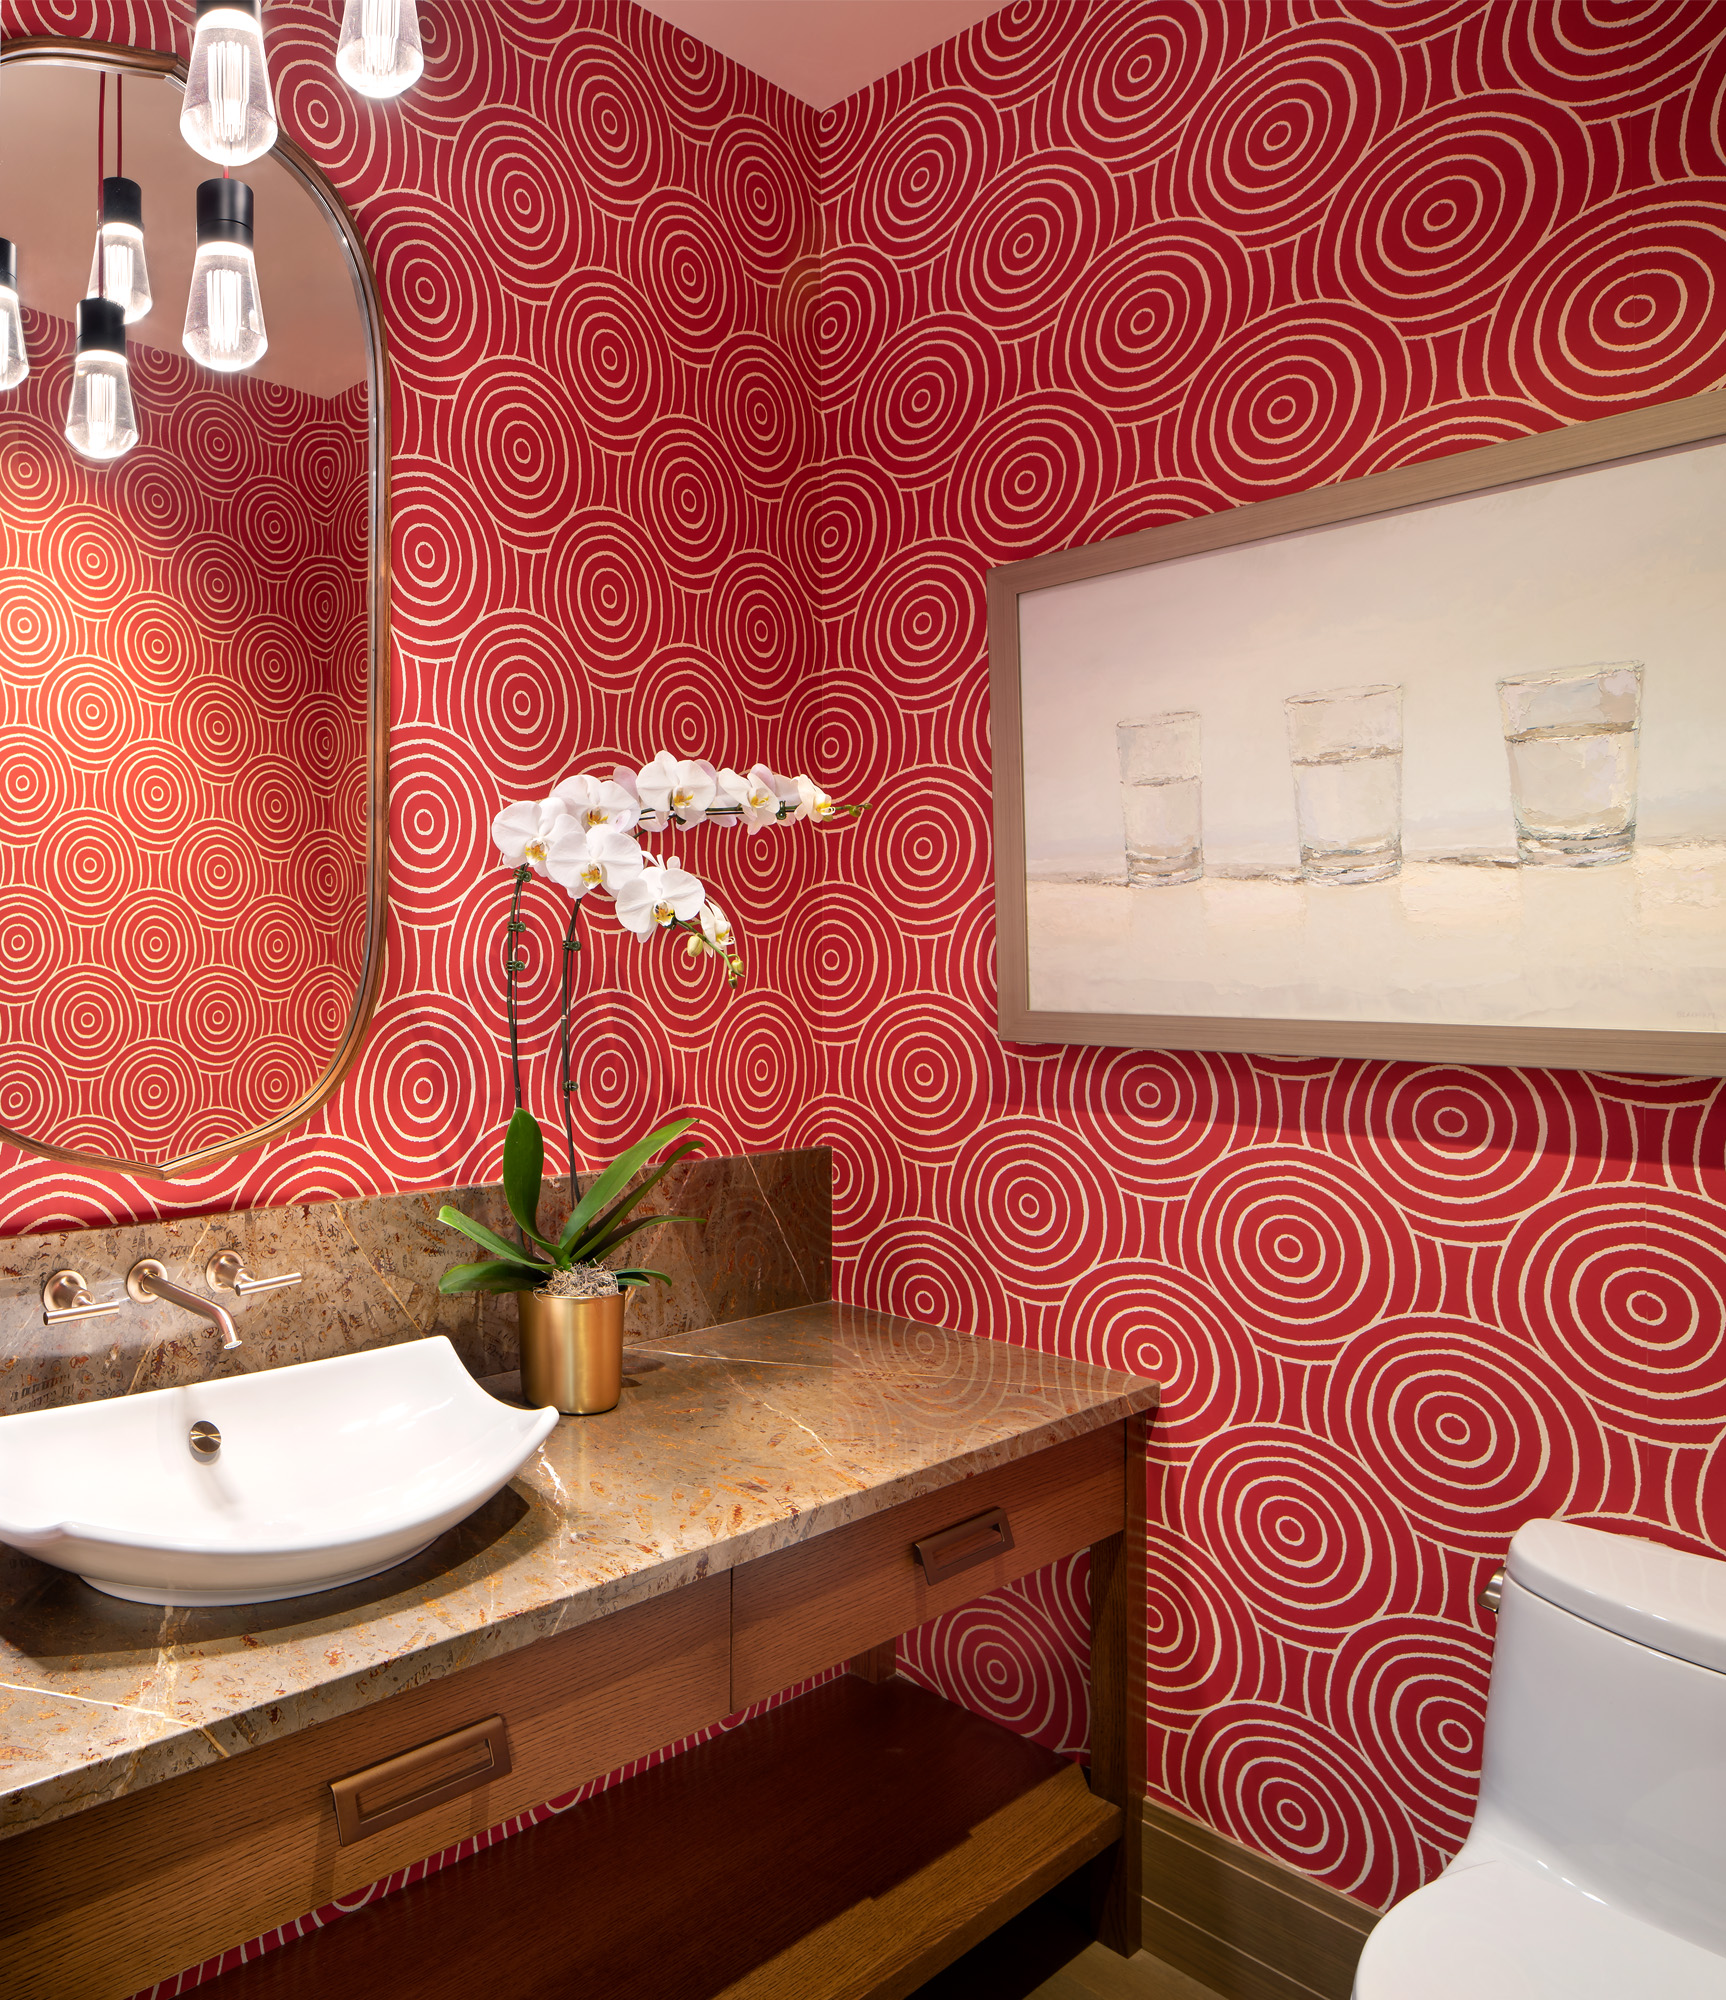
326 1472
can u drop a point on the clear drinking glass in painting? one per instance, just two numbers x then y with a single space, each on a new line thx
1571 738
1160 806
1345 752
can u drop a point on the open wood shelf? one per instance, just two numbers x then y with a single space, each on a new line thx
846 1846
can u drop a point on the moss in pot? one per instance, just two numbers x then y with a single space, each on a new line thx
580 1281
570 1305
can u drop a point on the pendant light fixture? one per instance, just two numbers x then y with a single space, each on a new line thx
379 51
118 270
14 360
101 422
229 114
14 356
224 317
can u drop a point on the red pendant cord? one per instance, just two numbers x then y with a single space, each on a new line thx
119 124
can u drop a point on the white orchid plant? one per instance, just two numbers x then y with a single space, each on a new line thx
587 836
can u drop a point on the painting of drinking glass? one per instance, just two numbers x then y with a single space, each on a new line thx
1429 764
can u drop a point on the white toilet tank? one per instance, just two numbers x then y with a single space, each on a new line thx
1605 1752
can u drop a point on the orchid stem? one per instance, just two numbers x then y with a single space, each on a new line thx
566 1088
513 966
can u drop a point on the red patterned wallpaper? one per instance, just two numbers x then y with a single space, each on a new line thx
182 781
1093 268
594 243
1087 268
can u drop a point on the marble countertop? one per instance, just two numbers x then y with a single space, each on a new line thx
727 1445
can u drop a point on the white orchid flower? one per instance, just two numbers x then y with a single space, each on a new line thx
661 892
716 936
592 857
789 796
646 818
756 808
813 802
677 787
761 795
524 833
598 802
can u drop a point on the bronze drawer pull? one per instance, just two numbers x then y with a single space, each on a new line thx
975 1541
385 1794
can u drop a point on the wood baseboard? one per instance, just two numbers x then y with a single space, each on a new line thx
1249 1928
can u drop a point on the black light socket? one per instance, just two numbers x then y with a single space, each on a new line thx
231 6
8 264
122 201
225 212
101 326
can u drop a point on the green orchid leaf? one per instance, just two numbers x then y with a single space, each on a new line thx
523 1171
597 1229
492 1277
452 1218
612 1182
690 1149
598 1251
607 1187
636 1276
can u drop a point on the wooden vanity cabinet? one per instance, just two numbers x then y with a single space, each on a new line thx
97 1906
100 1904
797 1611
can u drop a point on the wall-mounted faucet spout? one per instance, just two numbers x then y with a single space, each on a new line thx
149 1279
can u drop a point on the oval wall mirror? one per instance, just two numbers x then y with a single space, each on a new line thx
194 695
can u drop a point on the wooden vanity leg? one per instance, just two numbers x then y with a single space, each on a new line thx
1118 1644
880 1663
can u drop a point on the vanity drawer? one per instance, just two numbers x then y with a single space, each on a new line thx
804 1608
99 1905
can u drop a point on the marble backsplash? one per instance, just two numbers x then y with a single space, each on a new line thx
371 1270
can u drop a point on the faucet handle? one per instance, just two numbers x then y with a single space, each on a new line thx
141 1279
226 1271
66 1296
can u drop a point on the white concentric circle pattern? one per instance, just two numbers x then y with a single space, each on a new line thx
1093 265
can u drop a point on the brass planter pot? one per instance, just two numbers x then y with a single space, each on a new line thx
571 1353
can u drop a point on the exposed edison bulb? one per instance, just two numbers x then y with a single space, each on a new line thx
379 51
117 269
229 114
14 360
100 420
224 322
224 316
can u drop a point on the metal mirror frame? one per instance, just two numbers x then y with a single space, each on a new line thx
155 62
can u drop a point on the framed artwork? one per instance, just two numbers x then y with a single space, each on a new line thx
1430 764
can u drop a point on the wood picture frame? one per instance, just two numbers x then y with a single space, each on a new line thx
1025 1015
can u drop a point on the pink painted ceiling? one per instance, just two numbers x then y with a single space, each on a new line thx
822 50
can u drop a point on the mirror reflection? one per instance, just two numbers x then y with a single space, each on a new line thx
184 643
